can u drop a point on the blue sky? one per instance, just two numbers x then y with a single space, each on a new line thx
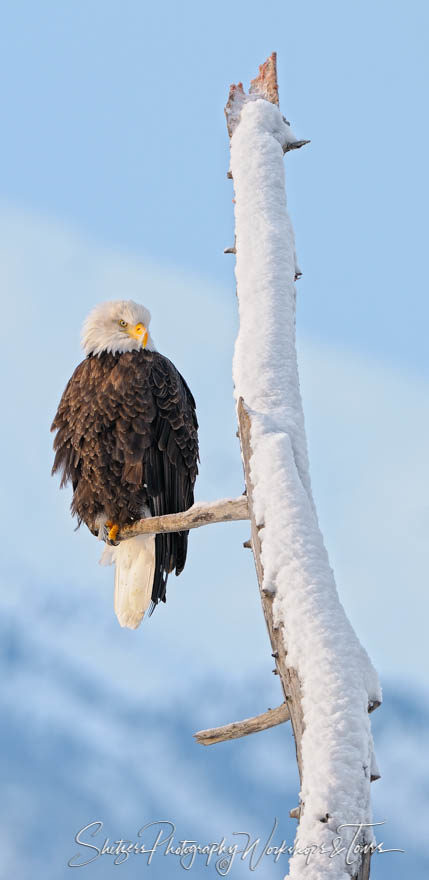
113 183
113 120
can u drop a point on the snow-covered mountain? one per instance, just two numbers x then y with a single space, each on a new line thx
89 734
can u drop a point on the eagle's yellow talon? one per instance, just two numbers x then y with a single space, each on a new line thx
113 531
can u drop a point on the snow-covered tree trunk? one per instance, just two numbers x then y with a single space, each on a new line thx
327 677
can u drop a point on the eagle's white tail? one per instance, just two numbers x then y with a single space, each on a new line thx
134 570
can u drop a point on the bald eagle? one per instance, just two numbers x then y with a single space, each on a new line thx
127 441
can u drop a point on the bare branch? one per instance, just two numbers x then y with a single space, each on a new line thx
243 728
201 514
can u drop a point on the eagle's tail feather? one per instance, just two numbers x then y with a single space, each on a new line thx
134 572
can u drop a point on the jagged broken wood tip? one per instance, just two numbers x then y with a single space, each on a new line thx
265 84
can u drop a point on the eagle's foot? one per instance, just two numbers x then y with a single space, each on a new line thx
111 530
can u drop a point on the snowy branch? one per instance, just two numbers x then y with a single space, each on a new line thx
201 514
327 677
243 728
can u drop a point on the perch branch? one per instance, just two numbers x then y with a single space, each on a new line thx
243 728
201 514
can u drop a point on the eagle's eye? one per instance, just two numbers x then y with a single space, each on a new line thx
122 323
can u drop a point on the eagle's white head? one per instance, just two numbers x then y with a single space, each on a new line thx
117 326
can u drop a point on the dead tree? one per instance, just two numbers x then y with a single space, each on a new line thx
328 682
294 576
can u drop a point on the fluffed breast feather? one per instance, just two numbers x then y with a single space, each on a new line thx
126 438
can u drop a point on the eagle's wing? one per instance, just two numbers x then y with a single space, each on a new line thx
79 419
171 464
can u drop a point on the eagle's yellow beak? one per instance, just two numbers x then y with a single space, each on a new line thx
139 333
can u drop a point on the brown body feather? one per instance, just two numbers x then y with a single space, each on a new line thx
127 437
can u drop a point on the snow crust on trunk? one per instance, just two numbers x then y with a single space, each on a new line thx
336 675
